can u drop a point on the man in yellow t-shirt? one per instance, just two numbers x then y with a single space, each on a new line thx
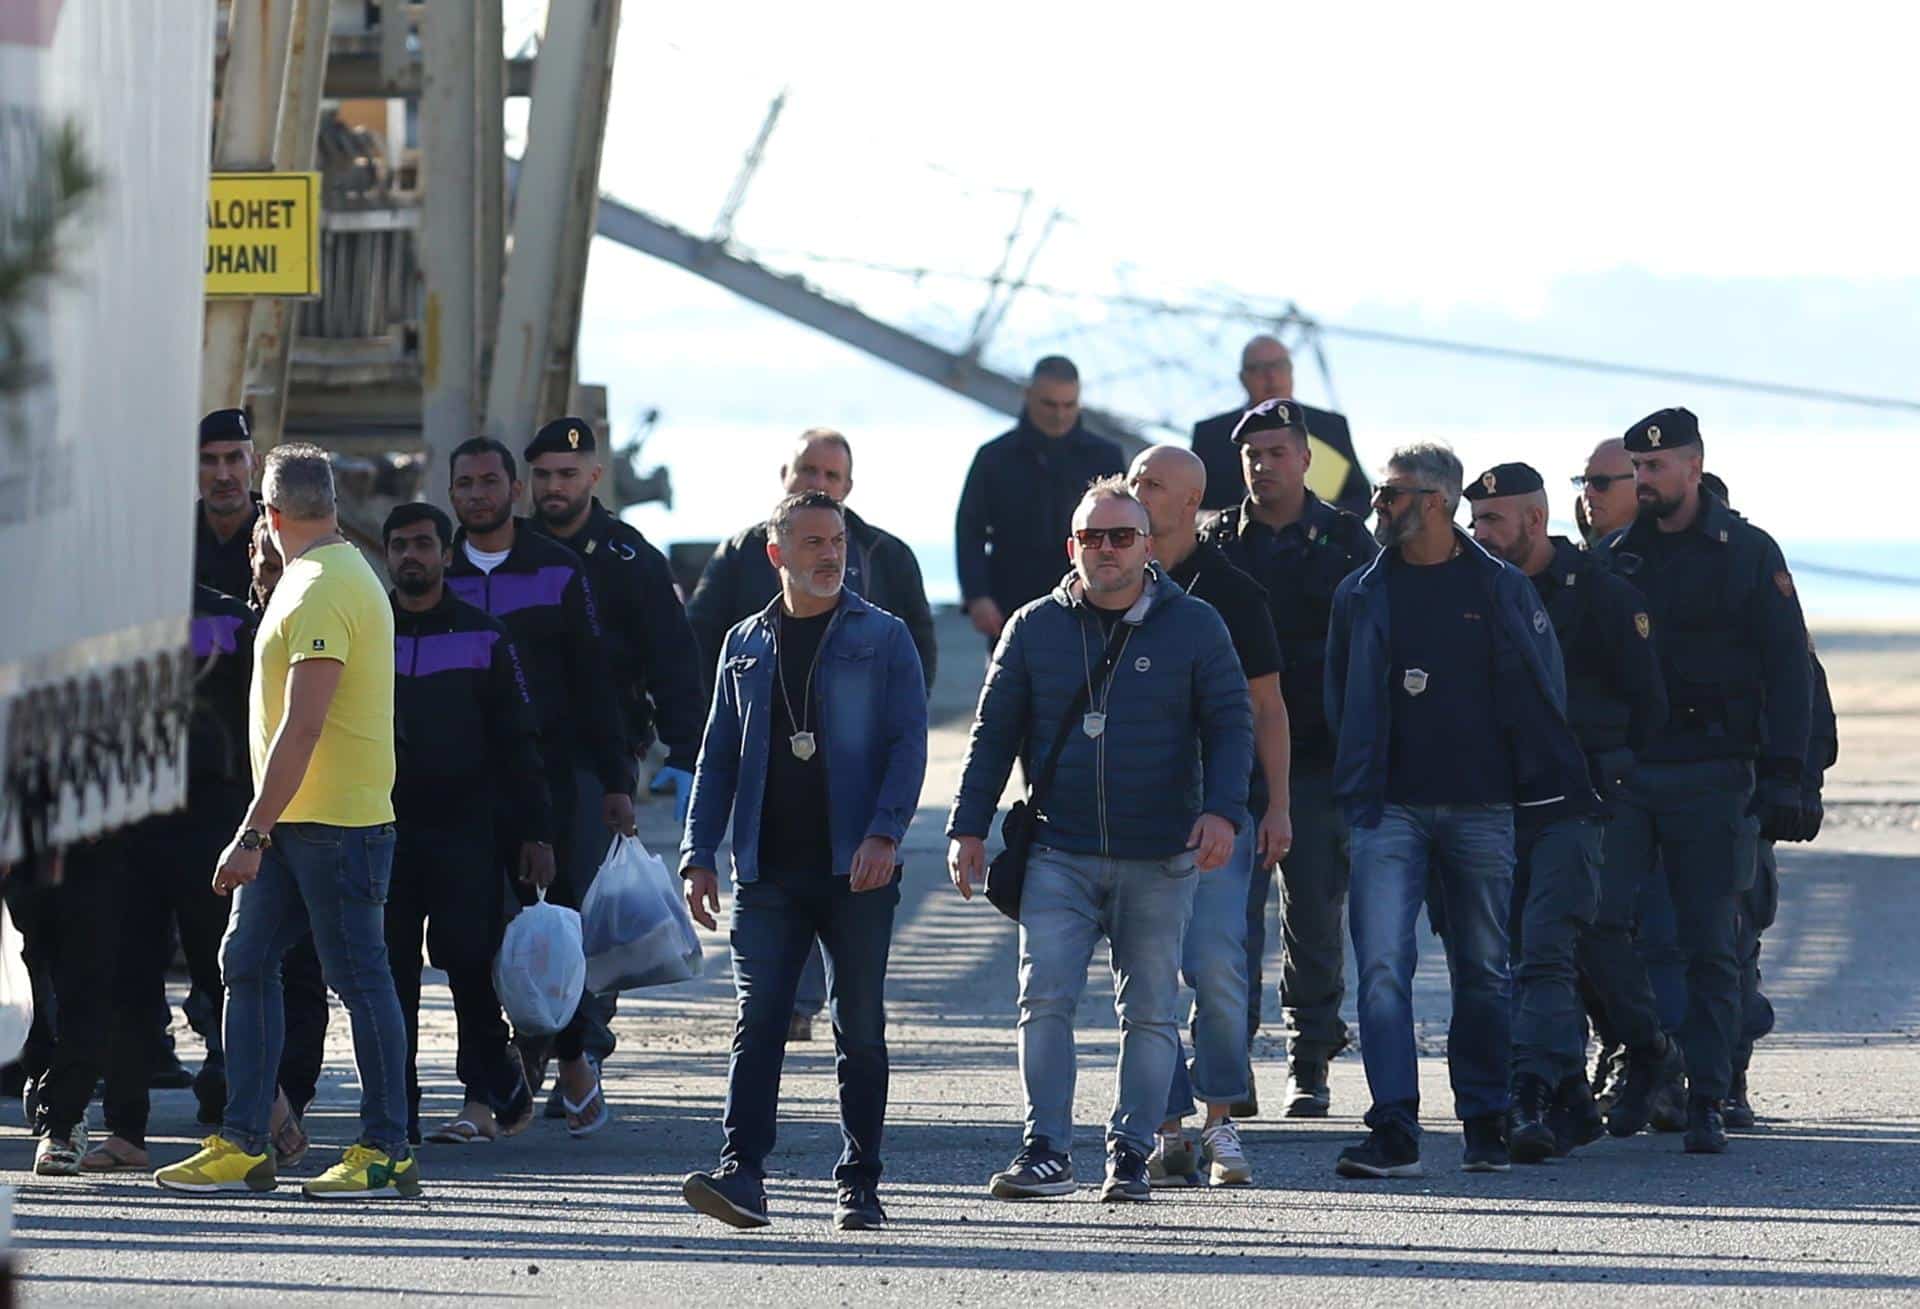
316 847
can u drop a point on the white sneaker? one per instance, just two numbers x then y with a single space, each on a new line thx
53 1157
1172 1162
1227 1162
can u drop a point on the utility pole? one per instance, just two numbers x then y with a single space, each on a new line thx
448 119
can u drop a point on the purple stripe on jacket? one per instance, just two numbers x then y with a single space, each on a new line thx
216 634
504 592
423 656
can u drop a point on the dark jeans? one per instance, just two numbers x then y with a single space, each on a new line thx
1313 896
1556 892
775 924
1468 850
1691 819
70 936
447 881
333 880
175 854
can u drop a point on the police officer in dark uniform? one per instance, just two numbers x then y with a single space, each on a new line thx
223 517
1615 700
1299 548
1726 769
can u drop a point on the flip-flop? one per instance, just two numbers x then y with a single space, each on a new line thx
102 1159
452 1134
588 1126
515 1126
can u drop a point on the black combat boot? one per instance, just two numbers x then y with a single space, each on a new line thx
1575 1118
1529 1139
1737 1111
1706 1129
1648 1068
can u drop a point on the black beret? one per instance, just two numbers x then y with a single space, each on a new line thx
225 425
563 436
1504 479
1669 429
1270 416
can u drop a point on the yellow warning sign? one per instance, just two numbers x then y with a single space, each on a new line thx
263 235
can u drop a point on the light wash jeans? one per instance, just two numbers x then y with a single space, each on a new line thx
336 879
1141 906
1471 849
1214 963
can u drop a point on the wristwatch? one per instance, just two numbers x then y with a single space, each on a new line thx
255 840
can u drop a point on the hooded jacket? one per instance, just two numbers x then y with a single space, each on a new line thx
1177 739
1529 679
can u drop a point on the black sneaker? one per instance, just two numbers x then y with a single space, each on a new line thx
1648 1069
1575 1118
1706 1129
1667 1107
1126 1177
1037 1172
1387 1152
1307 1093
1737 1110
728 1194
1609 1074
1486 1146
858 1208
1529 1138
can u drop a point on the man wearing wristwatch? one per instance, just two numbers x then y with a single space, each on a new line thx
316 847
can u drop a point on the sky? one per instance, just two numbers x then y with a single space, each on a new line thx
1711 187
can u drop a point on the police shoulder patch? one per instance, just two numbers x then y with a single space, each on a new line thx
1643 625
1784 581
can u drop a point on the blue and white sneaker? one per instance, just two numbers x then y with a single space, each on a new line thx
1036 1173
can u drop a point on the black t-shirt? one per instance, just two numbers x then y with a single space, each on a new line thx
1445 745
1109 618
1242 604
795 841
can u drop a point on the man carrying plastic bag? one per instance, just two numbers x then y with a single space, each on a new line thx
815 750
636 928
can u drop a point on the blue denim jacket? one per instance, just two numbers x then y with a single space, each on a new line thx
872 702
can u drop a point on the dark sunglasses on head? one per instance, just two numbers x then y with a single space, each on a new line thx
1600 481
1386 495
1090 538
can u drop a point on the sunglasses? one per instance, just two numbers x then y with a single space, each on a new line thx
1600 481
1121 538
1386 495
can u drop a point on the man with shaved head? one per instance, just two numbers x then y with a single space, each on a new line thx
1607 501
1615 699
1170 483
1266 371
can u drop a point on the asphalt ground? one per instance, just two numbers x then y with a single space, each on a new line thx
1821 1202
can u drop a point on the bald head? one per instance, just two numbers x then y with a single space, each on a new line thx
1266 370
1607 491
1171 481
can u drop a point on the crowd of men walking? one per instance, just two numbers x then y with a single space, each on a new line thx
1576 756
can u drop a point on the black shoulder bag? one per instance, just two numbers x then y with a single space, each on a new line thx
1007 871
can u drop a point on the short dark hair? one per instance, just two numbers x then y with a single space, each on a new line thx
484 445
407 515
780 526
1056 368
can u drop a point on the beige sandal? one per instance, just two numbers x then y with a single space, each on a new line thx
114 1155
461 1131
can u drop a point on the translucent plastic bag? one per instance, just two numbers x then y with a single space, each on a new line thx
541 969
637 928
16 990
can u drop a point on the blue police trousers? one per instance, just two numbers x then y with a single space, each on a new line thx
1556 892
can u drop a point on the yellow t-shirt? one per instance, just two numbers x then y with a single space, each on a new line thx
329 605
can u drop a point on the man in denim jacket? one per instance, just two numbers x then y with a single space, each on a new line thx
815 749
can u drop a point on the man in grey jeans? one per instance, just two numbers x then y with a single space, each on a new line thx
1128 823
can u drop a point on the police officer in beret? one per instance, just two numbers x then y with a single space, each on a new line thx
1615 699
1298 547
1726 769
223 520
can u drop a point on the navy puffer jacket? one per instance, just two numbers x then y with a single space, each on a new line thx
1178 738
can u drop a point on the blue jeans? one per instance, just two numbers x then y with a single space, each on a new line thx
1556 892
1470 847
775 925
334 879
1213 962
1141 906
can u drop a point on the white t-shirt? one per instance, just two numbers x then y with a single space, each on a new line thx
485 560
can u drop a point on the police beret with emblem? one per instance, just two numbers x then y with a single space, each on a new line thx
563 436
1504 479
1669 429
225 425
1270 416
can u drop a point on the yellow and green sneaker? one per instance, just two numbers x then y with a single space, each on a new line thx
365 1173
220 1166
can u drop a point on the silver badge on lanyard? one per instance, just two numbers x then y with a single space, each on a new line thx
1094 724
802 744
1415 680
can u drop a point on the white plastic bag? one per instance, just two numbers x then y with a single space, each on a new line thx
541 968
16 989
637 928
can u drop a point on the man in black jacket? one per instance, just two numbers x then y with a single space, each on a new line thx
656 663
539 589
466 742
1018 502
739 580
223 519
1266 371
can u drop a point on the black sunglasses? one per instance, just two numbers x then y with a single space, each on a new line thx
1386 495
1122 538
1600 481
